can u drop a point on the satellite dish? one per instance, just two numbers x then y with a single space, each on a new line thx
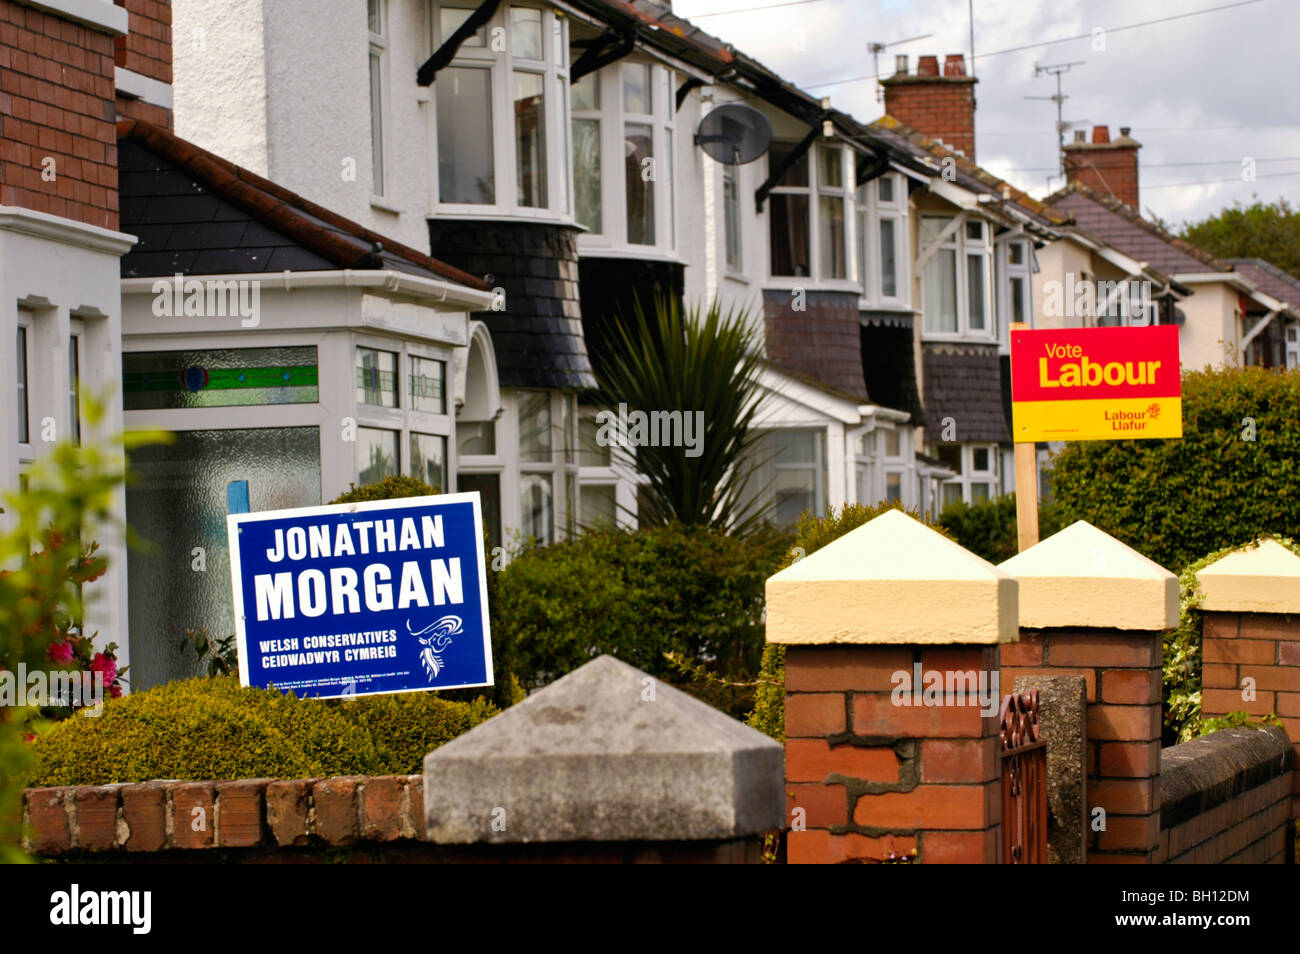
734 133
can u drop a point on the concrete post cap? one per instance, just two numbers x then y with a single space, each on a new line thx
1084 577
606 753
893 580
1259 578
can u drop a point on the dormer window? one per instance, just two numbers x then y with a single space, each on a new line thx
502 114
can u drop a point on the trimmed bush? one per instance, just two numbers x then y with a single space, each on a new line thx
211 728
390 488
690 591
1234 475
407 726
988 528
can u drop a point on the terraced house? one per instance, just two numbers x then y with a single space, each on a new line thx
329 242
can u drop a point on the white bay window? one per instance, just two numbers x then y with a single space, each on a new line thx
881 205
624 119
956 282
502 114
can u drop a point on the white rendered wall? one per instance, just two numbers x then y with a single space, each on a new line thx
219 78
59 280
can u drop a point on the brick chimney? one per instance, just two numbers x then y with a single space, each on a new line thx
1109 166
938 106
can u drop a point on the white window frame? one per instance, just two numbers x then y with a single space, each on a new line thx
871 210
814 190
502 66
562 469
620 474
1292 339
969 475
377 61
613 118
402 418
963 247
733 233
1007 272
76 354
27 322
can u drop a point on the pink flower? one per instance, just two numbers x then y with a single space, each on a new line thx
115 691
59 652
102 664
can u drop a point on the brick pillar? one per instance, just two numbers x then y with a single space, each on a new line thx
1091 606
871 770
1251 631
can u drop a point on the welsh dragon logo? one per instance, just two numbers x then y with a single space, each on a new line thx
435 638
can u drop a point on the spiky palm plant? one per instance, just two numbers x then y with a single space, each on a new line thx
703 360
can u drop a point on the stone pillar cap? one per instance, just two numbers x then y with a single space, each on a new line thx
1262 578
606 753
1084 577
892 580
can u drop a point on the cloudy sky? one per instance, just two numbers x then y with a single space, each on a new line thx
1200 92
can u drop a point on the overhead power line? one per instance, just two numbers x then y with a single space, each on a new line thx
772 6
1183 185
1064 39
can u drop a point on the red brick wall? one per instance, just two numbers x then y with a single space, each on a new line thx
1108 170
875 779
147 49
940 107
1252 828
1262 646
1122 673
56 101
366 819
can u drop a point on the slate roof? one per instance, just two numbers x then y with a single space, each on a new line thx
196 213
1270 279
968 174
1116 224
964 382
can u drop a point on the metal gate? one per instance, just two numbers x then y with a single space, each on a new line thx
1024 781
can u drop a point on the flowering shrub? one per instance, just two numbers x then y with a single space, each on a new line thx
51 620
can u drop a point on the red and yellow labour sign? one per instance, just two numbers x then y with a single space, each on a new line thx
1095 384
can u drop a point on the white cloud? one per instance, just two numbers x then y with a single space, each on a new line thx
1176 84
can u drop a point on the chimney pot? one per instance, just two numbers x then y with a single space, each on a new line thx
927 66
1080 136
1100 134
1125 130
954 65
900 64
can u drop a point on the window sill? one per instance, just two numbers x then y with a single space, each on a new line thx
734 276
928 337
497 214
378 202
646 252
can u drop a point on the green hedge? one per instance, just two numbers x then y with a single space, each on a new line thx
211 728
692 592
988 528
1175 500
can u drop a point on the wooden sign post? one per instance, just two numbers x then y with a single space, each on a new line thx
1026 483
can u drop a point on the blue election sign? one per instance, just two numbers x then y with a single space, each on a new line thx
361 599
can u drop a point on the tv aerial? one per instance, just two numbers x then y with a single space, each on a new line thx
875 49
